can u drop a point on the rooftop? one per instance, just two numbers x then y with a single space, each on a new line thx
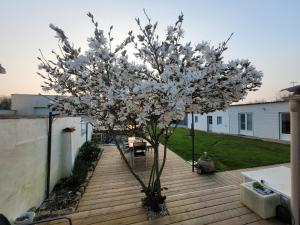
259 103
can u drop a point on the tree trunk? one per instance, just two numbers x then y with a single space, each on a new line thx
153 197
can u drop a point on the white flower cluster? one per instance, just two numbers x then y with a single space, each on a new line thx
174 79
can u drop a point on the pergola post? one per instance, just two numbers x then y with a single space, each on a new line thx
294 104
193 141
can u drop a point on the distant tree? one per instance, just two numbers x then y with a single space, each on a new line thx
260 100
5 102
2 69
145 97
282 95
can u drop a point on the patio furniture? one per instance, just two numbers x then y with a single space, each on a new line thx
139 151
125 149
131 141
278 179
263 205
4 220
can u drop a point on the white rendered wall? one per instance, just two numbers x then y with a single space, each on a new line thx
7 112
23 157
265 118
217 128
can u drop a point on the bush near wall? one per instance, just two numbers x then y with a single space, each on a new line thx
68 191
87 154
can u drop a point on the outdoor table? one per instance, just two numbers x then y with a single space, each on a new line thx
132 140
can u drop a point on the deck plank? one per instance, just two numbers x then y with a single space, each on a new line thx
113 195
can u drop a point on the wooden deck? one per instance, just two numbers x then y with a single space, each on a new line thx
113 196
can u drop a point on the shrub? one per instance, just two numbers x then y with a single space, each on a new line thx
97 138
79 172
88 152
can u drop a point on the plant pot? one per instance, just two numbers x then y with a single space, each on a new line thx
205 166
24 217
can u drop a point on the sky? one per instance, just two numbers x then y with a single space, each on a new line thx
267 32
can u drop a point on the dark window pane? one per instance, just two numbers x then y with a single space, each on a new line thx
249 121
219 120
196 119
243 121
285 123
209 119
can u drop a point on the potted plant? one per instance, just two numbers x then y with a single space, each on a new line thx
260 188
24 217
205 164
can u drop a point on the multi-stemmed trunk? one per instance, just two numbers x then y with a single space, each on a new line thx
152 190
153 194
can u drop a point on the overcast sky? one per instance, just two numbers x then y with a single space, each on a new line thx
267 32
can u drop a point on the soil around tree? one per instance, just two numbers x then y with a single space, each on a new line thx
151 215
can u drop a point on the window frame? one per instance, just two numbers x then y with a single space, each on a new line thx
287 126
196 119
219 120
243 120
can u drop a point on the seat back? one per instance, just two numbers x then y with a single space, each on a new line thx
4 220
139 145
139 149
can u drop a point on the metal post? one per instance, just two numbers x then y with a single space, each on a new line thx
295 157
49 154
193 142
86 131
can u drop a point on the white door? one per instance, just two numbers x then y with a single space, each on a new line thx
209 123
284 126
246 124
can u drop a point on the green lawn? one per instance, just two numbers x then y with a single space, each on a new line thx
229 152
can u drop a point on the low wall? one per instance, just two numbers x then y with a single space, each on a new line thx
23 158
7 112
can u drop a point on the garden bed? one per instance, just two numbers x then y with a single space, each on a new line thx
68 191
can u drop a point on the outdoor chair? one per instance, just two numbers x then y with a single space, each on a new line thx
140 151
4 220
124 147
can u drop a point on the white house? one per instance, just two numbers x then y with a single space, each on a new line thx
26 104
264 120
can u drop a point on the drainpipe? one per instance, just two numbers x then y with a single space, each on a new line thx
86 131
49 154
294 104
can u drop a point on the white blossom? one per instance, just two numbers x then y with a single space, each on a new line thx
173 79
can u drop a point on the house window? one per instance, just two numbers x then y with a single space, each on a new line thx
196 119
219 120
209 123
285 123
246 122
243 121
209 118
249 121
83 128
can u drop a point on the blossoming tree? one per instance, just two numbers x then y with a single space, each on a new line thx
145 96
2 69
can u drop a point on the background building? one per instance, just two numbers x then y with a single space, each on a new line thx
269 120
